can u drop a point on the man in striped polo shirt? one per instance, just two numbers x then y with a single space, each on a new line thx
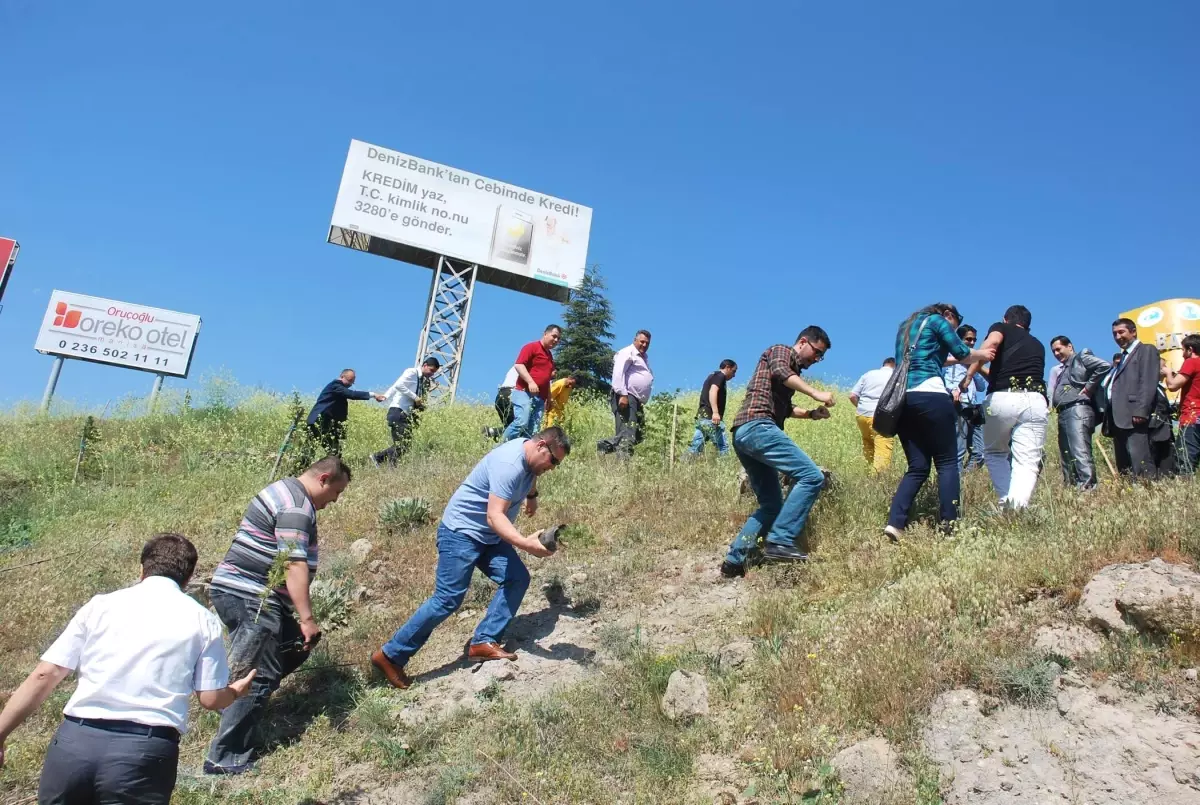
270 630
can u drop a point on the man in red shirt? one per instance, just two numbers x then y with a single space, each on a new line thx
535 370
1184 381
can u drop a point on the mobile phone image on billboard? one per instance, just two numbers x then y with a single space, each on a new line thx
512 238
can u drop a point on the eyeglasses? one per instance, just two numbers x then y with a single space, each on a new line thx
820 353
554 461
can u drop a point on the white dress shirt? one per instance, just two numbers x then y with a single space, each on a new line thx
140 652
405 391
869 389
510 379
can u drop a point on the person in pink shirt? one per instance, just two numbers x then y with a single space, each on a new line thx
632 383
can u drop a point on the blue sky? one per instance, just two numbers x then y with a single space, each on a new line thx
753 168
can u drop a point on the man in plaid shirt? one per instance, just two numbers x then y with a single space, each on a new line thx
765 451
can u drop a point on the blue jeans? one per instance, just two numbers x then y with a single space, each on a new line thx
527 415
707 431
970 437
1189 449
927 434
458 556
765 451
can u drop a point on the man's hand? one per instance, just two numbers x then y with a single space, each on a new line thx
419 404
989 353
819 413
533 545
379 397
1164 371
534 389
825 398
623 401
1139 420
311 632
531 506
957 395
716 419
242 686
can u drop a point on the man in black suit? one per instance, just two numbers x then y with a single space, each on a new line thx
1132 386
327 419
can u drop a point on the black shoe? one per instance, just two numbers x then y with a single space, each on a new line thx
731 571
784 553
213 768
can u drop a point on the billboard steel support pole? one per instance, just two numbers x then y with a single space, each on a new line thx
55 371
444 335
158 383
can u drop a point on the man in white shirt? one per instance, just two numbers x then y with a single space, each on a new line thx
405 398
632 383
877 449
140 653
503 405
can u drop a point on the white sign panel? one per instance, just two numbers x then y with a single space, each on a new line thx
446 211
119 333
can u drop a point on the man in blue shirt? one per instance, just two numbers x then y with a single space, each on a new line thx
327 419
969 405
478 530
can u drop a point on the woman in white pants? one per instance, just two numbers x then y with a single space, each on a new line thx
1016 411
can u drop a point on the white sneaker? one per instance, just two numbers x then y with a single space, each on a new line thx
892 533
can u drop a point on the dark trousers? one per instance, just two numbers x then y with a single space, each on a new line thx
402 424
1133 451
504 407
1076 423
271 645
90 766
327 435
628 424
927 431
1189 448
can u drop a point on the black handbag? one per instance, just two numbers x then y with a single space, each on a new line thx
891 402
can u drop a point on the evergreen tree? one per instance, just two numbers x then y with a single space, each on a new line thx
586 346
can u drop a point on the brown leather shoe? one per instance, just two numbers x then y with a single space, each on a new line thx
395 676
488 651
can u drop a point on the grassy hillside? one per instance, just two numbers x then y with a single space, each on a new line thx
857 642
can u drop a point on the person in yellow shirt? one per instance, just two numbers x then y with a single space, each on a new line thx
560 393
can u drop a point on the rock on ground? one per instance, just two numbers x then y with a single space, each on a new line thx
1072 642
870 772
686 697
734 655
360 549
1152 596
1085 751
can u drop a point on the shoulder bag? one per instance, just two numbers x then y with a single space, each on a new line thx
891 402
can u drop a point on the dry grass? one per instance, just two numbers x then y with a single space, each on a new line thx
857 642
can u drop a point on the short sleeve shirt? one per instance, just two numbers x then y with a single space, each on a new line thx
140 652
719 380
869 389
503 473
1020 363
281 519
1189 395
540 363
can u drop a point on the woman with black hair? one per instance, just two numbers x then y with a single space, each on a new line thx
927 426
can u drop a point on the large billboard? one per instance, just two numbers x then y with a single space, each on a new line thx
520 238
119 333
8 258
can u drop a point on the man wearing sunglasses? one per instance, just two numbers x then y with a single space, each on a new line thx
478 531
765 451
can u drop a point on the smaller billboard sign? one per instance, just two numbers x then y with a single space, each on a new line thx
118 333
8 258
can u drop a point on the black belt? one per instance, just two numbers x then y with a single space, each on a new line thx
127 728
